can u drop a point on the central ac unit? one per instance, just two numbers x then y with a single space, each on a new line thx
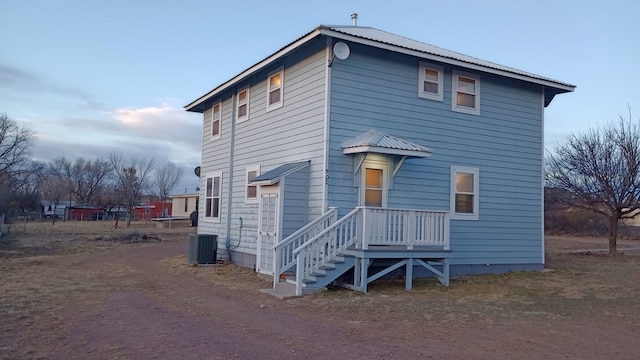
203 249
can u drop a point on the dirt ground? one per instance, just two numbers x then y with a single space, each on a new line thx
98 293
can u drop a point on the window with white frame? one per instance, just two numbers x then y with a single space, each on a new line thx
242 105
464 193
213 191
466 93
274 90
430 81
216 117
251 195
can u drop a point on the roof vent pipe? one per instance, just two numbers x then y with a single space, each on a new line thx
354 19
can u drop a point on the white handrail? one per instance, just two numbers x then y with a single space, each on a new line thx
325 246
283 251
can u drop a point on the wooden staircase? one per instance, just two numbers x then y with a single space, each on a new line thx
325 249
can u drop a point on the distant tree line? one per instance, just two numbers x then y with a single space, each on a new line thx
111 182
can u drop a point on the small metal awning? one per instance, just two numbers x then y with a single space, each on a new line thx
274 176
374 141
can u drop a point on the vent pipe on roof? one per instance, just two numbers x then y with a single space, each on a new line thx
354 19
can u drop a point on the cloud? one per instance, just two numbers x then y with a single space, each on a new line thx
22 85
165 133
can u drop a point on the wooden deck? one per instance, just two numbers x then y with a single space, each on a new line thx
389 258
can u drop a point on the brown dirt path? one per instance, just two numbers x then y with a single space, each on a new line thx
141 308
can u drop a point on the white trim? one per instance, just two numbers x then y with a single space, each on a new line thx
456 75
245 117
280 88
259 66
212 175
219 119
380 165
422 67
325 136
385 151
476 192
542 175
247 199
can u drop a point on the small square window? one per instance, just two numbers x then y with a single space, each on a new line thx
466 93
274 90
430 81
242 105
216 117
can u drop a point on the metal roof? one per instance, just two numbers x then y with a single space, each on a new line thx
385 40
273 176
384 37
378 142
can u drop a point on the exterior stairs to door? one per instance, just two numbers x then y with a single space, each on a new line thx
327 248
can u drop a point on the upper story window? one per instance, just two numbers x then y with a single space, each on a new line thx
213 193
251 196
274 90
430 81
466 93
216 117
464 193
242 106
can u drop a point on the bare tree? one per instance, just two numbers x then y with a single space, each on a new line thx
85 177
166 180
15 146
133 178
600 169
54 187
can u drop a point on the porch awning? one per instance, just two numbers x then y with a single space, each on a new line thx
374 141
274 176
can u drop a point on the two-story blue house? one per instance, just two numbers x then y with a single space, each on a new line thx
352 152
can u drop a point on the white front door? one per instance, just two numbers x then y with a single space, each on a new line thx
268 227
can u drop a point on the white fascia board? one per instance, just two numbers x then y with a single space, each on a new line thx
253 69
387 151
447 60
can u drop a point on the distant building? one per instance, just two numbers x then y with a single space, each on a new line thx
183 204
51 209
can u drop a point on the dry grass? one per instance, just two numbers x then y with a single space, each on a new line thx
70 237
575 285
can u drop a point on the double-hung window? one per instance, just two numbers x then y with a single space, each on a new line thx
466 93
242 105
251 195
274 90
464 193
216 117
430 81
213 193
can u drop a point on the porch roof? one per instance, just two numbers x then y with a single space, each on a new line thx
374 141
274 176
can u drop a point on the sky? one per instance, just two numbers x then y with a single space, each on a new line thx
94 77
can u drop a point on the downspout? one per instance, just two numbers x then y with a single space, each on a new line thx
325 140
543 169
227 243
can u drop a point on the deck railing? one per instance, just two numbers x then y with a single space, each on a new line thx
283 251
361 228
405 228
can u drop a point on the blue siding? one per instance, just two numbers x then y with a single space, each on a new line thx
295 195
293 132
378 89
